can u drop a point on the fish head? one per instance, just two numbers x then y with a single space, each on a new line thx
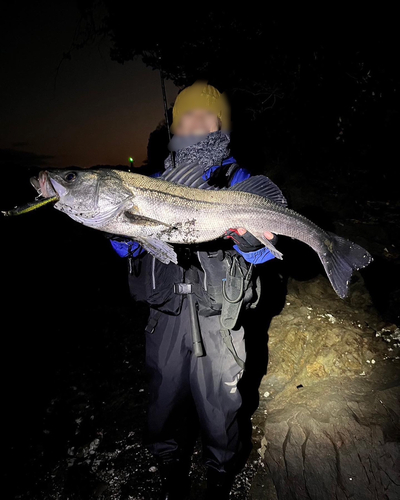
72 187
86 195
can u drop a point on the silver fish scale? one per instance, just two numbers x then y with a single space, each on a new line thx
209 213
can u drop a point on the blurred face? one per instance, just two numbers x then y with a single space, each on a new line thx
197 122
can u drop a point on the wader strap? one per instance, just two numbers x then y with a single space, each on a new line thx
227 338
152 322
188 289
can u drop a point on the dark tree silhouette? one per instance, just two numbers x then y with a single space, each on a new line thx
305 85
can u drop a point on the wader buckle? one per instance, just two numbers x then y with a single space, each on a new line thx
151 325
183 288
219 254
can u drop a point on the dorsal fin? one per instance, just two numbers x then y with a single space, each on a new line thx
190 175
262 186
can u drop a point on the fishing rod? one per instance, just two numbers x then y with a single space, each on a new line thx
165 101
164 93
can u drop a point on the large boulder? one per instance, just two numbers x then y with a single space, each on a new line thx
329 402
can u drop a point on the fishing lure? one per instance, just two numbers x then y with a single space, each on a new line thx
33 205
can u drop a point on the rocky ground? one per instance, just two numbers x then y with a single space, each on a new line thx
321 388
330 399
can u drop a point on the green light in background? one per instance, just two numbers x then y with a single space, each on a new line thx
130 159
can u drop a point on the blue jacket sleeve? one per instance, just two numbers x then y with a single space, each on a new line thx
127 248
259 256
240 175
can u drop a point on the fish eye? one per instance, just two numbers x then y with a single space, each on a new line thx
70 176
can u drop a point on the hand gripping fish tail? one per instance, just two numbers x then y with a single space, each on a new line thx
341 258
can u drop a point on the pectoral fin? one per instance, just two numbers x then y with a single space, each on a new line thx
163 251
135 218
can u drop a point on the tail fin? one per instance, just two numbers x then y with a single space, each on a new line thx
341 258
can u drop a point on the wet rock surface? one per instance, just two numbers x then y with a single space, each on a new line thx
331 397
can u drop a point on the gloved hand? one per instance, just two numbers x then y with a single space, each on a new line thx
126 248
246 241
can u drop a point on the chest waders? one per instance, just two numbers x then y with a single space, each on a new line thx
227 287
217 282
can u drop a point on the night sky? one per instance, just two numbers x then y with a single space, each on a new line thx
96 111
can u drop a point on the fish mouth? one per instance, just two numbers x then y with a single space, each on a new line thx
43 185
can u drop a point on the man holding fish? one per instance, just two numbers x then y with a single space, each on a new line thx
201 146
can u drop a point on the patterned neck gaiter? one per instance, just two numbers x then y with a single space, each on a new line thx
207 150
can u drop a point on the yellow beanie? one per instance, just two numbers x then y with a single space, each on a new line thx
200 95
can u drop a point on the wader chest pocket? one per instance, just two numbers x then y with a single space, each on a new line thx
227 278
